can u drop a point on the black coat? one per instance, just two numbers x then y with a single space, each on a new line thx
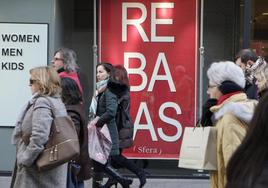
251 90
106 110
262 180
125 128
77 113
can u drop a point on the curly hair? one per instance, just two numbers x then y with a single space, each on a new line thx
261 74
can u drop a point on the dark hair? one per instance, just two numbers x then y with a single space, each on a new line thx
107 66
71 93
246 55
120 74
248 161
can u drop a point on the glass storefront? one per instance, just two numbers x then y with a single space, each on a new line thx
224 34
259 27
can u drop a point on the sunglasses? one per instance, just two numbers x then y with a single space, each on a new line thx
57 59
211 86
31 81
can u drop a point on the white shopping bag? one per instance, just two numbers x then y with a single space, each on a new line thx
199 148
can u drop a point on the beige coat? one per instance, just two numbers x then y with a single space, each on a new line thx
232 117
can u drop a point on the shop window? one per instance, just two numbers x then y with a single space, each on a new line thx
83 15
259 40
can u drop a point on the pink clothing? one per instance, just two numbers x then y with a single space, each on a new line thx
74 76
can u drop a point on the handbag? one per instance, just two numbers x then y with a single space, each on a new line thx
99 142
199 148
62 145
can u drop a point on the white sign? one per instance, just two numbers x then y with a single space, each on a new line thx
22 47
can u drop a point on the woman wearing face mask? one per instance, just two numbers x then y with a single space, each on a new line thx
106 111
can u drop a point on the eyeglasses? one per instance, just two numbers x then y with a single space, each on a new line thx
211 86
57 59
31 82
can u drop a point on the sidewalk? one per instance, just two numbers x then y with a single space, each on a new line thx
151 183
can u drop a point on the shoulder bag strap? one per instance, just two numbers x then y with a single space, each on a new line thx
121 106
53 109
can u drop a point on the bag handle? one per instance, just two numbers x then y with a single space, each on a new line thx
198 124
26 137
53 109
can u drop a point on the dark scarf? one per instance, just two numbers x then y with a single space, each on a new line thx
117 87
228 88
61 70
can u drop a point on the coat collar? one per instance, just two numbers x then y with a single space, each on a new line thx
234 98
238 105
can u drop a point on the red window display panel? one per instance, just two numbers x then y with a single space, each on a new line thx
156 41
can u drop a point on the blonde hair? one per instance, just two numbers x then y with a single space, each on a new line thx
47 79
261 74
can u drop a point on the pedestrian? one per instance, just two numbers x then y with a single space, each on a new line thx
34 123
245 59
248 167
65 62
261 75
119 85
106 111
231 113
78 169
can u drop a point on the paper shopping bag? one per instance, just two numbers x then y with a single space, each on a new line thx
199 148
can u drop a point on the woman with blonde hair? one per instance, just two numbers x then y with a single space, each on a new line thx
35 121
261 75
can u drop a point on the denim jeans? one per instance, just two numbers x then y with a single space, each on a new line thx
72 181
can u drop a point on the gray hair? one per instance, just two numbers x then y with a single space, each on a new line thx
69 59
226 71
